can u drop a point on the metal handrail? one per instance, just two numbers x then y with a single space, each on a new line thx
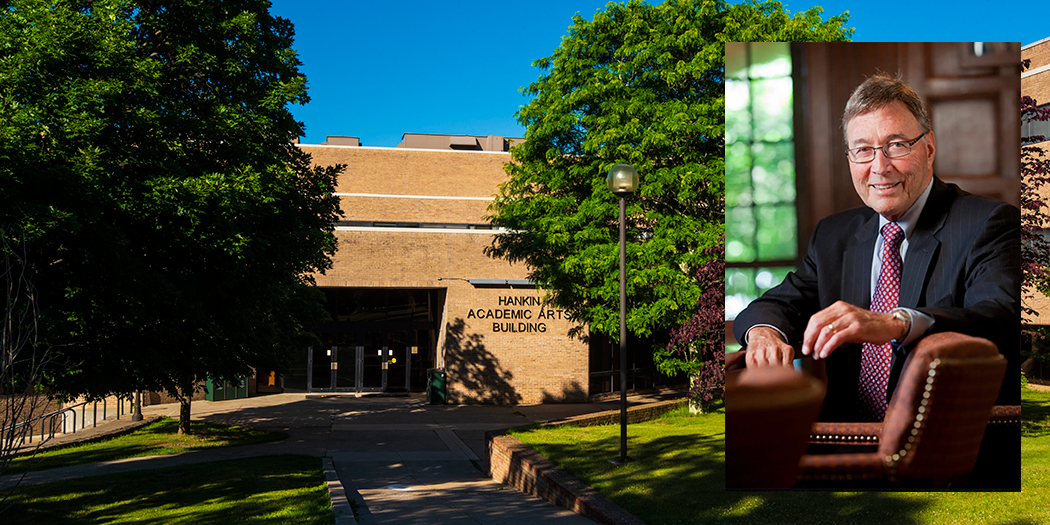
48 427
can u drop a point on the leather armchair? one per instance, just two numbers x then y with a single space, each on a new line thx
769 412
933 427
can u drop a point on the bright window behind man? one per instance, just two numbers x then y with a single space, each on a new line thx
761 223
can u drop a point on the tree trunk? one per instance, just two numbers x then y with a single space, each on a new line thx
695 408
184 411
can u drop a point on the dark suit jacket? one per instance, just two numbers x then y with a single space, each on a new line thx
963 268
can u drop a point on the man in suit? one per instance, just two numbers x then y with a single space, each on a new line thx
922 256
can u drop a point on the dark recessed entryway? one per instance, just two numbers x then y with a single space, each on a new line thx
373 340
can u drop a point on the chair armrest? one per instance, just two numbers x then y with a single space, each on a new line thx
824 433
1005 415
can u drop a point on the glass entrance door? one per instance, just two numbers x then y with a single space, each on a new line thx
345 358
385 363
372 362
320 369
332 368
398 363
363 362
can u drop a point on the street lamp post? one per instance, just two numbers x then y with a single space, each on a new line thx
623 181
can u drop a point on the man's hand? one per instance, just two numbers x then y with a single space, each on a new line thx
765 348
844 323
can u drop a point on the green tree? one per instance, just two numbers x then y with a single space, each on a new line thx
145 152
697 348
641 85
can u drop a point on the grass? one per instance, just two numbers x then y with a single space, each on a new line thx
269 489
157 438
679 478
678 460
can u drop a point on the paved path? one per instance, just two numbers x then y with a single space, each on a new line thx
404 461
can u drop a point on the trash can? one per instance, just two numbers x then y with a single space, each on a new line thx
436 386
216 390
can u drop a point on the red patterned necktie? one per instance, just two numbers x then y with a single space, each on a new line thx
875 359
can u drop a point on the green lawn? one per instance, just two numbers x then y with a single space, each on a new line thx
160 437
270 489
679 478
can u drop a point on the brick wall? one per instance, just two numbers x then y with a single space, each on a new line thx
528 358
162 397
412 260
1039 54
33 407
1037 86
385 171
513 463
414 210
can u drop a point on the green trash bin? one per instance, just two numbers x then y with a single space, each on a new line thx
437 389
216 390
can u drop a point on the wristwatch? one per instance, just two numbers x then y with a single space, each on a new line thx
903 315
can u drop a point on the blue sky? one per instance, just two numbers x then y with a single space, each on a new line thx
379 69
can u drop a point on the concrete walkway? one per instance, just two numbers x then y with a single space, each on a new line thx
405 462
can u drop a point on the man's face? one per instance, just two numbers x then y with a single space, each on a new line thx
890 186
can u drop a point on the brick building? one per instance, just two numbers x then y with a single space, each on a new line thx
412 289
1035 83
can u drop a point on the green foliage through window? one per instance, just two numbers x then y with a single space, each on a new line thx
761 223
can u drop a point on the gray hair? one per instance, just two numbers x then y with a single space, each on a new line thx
881 90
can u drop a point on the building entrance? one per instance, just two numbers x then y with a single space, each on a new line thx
375 362
374 340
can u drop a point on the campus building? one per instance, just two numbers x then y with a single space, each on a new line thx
1035 83
412 288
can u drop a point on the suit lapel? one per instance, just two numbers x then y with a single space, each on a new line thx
923 244
916 263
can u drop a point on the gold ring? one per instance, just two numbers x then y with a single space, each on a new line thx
831 328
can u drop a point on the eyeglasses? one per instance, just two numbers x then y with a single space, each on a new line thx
892 150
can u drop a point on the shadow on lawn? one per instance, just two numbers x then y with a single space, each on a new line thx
1035 416
715 504
681 479
156 438
210 493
